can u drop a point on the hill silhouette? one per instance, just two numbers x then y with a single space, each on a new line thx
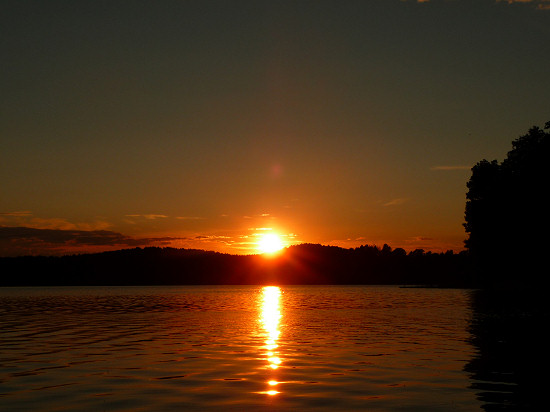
505 218
301 264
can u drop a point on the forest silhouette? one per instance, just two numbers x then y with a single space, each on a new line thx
304 264
506 220
507 223
507 215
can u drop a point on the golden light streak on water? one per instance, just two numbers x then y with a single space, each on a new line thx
270 319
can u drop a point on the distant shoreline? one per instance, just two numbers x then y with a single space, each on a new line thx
306 264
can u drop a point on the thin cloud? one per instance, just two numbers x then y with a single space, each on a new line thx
27 219
150 216
421 239
396 202
211 237
153 217
213 240
28 240
449 168
17 214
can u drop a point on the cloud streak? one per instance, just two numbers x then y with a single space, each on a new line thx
17 214
449 168
396 202
16 241
27 219
150 216
23 240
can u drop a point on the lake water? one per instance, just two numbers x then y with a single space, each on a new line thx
350 348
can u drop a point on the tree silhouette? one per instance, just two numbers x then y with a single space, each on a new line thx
506 213
302 264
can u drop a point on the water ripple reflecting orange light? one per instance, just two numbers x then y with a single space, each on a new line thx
270 319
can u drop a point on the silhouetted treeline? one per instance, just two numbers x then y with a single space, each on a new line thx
507 216
301 264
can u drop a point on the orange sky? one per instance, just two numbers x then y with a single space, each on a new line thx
204 124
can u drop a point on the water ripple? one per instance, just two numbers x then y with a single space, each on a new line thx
214 348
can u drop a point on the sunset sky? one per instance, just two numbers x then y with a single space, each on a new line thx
205 124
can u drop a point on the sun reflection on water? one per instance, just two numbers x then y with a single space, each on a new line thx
270 318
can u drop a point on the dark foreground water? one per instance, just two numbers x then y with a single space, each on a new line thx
349 348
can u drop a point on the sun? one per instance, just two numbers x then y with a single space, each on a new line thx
270 243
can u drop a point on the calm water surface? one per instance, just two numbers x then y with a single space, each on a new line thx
236 348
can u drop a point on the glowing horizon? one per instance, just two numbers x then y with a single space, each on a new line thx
202 155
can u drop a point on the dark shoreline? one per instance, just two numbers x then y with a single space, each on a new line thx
306 264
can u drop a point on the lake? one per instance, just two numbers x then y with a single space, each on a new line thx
251 348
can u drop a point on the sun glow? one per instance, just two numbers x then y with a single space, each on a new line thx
270 243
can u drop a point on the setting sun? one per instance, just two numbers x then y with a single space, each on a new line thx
270 243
